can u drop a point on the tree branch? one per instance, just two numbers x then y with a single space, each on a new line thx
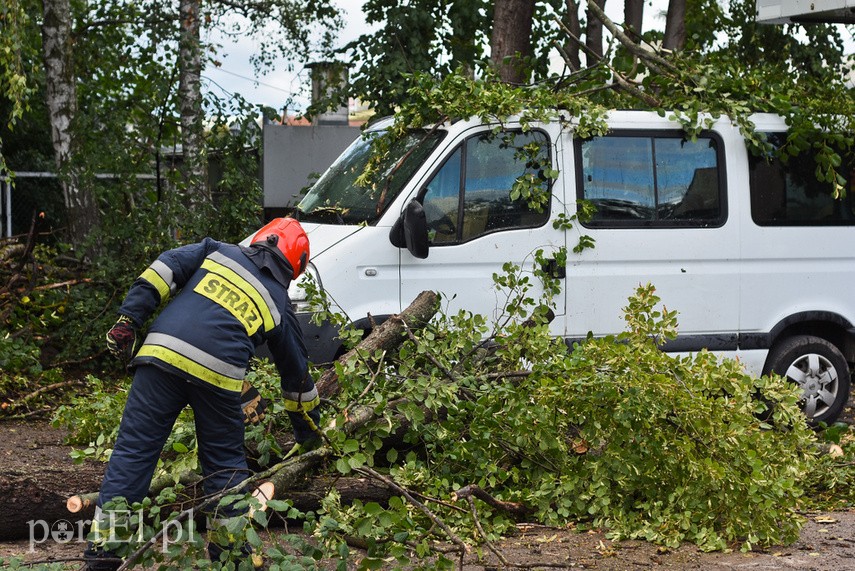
423 508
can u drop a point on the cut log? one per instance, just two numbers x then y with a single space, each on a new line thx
307 493
76 504
386 336
80 502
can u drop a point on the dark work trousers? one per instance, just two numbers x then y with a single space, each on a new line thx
154 402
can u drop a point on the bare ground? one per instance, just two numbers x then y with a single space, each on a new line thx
35 462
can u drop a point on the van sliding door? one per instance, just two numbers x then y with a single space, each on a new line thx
660 216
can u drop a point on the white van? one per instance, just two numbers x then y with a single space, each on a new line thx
756 257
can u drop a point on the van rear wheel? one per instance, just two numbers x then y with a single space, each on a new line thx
821 371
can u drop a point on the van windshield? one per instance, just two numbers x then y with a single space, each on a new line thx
336 198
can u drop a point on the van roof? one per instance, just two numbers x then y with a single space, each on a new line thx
622 119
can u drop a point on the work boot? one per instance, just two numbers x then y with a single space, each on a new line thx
99 559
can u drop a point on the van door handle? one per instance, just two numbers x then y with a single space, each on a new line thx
553 270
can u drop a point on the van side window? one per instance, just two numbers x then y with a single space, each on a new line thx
790 195
651 180
470 195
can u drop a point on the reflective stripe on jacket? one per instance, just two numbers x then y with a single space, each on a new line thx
225 306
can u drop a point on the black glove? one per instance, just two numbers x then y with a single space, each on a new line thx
122 339
252 403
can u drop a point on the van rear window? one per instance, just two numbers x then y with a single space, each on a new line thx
790 195
662 180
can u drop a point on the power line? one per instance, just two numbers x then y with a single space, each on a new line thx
254 80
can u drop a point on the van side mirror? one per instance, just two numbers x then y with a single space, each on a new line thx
411 231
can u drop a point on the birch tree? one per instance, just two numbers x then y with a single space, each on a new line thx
61 100
190 96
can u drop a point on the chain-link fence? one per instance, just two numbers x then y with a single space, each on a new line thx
39 194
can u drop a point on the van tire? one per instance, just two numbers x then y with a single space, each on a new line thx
819 368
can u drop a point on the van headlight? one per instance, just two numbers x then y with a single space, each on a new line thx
297 289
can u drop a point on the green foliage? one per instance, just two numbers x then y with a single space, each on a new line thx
180 544
16 50
18 564
828 482
614 433
429 36
18 356
22 377
92 418
669 449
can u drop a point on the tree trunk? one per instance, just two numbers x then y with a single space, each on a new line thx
385 336
594 36
61 101
675 26
510 42
190 95
307 496
571 46
633 17
38 475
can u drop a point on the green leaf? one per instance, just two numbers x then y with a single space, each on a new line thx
350 446
253 538
343 465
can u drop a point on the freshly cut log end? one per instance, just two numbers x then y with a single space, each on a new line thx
76 504
263 493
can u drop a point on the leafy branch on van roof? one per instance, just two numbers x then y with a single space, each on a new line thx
693 88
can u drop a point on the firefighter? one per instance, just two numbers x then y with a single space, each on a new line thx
226 301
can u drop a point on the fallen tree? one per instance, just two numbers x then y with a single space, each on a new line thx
459 429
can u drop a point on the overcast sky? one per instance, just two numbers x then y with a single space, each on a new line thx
236 75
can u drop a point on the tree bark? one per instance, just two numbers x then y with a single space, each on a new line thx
675 26
633 17
510 41
571 46
190 95
61 101
385 336
594 36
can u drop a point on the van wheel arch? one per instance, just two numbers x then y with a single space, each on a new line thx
827 325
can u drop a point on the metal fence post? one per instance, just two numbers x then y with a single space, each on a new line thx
6 202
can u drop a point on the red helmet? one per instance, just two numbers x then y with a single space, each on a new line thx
286 236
